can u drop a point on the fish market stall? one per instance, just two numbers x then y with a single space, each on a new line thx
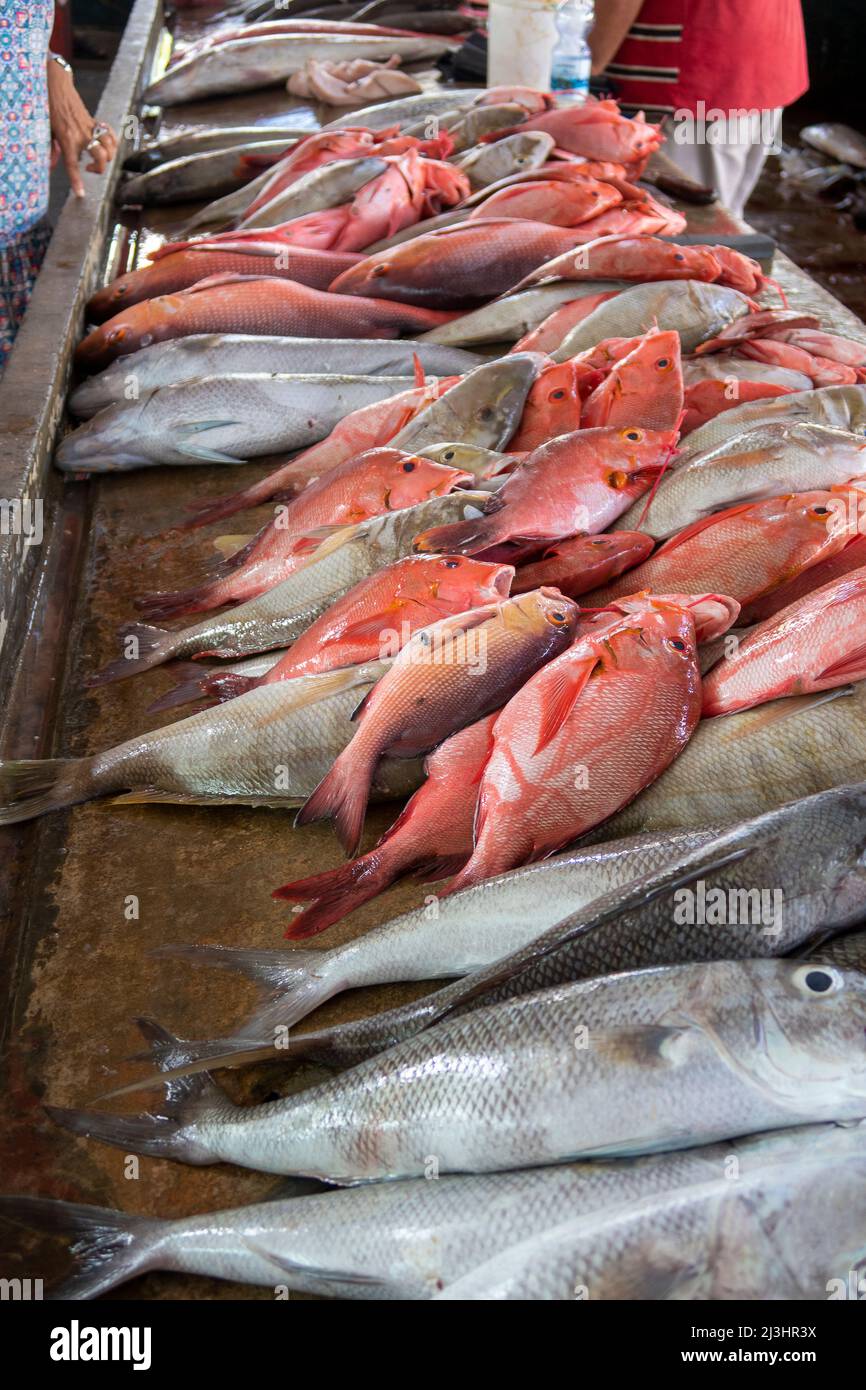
96 892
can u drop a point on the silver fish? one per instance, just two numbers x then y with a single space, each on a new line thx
841 407
848 951
408 109
232 354
405 1240
505 320
792 874
201 141
768 461
196 175
483 409
242 64
696 311
278 616
480 121
219 419
326 187
486 164
791 1226
270 750
228 210
470 458
626 1064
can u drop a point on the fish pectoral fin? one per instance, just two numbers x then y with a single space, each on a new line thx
201 451
336 1276
374 626
767 715
565 687
650 1045
851 668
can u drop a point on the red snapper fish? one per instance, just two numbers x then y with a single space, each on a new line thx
816 643
586 734
598 130
583 563
250 304
372 483
645 385
639 258
377 617
457 266
577 484
552 407
447 676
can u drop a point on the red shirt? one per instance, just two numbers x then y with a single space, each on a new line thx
730 54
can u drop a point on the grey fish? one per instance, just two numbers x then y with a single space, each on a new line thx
695 310
467 932
483 409
767 461
278 616
469 457
789 1224
408 109
840 141
724 366
228 210
809 851
746 763
326 187
219 419
627 1064
841 407
848 951
201 141
406 1240
480 121
486 164
270 751
242 64
507 319
238 354
191 176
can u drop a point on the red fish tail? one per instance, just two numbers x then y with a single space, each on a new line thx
228 685
342 797
254 496
170 605
461 538
336 893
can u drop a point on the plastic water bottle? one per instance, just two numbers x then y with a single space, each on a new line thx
572 60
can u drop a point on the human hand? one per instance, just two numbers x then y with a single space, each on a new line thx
74 131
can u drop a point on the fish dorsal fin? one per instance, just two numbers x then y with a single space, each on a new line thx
562 688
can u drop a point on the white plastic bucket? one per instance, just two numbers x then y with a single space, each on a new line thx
520 39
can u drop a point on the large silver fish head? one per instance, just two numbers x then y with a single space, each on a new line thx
110 441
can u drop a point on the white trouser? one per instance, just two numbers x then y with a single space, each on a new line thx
731 166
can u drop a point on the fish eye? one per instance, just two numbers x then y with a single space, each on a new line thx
449 454
557 395
409 467
679 256
618 478
486 412
677 644
663 363
821 511
818 980
451 564
633 436
380 270
557 617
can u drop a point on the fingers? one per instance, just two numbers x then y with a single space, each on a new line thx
108 141
99 157
69 154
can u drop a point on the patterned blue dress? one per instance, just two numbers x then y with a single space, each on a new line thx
25 146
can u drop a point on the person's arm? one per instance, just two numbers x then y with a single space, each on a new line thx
613 19
74 130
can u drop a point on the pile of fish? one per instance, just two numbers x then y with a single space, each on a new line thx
602 586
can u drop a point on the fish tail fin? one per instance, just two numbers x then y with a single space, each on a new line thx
143 646
292 984
229 684
31 786
342 797
253 496
191 684
337 892
171 604
174 1131
109 1246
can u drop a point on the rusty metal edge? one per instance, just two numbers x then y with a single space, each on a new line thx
33 388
